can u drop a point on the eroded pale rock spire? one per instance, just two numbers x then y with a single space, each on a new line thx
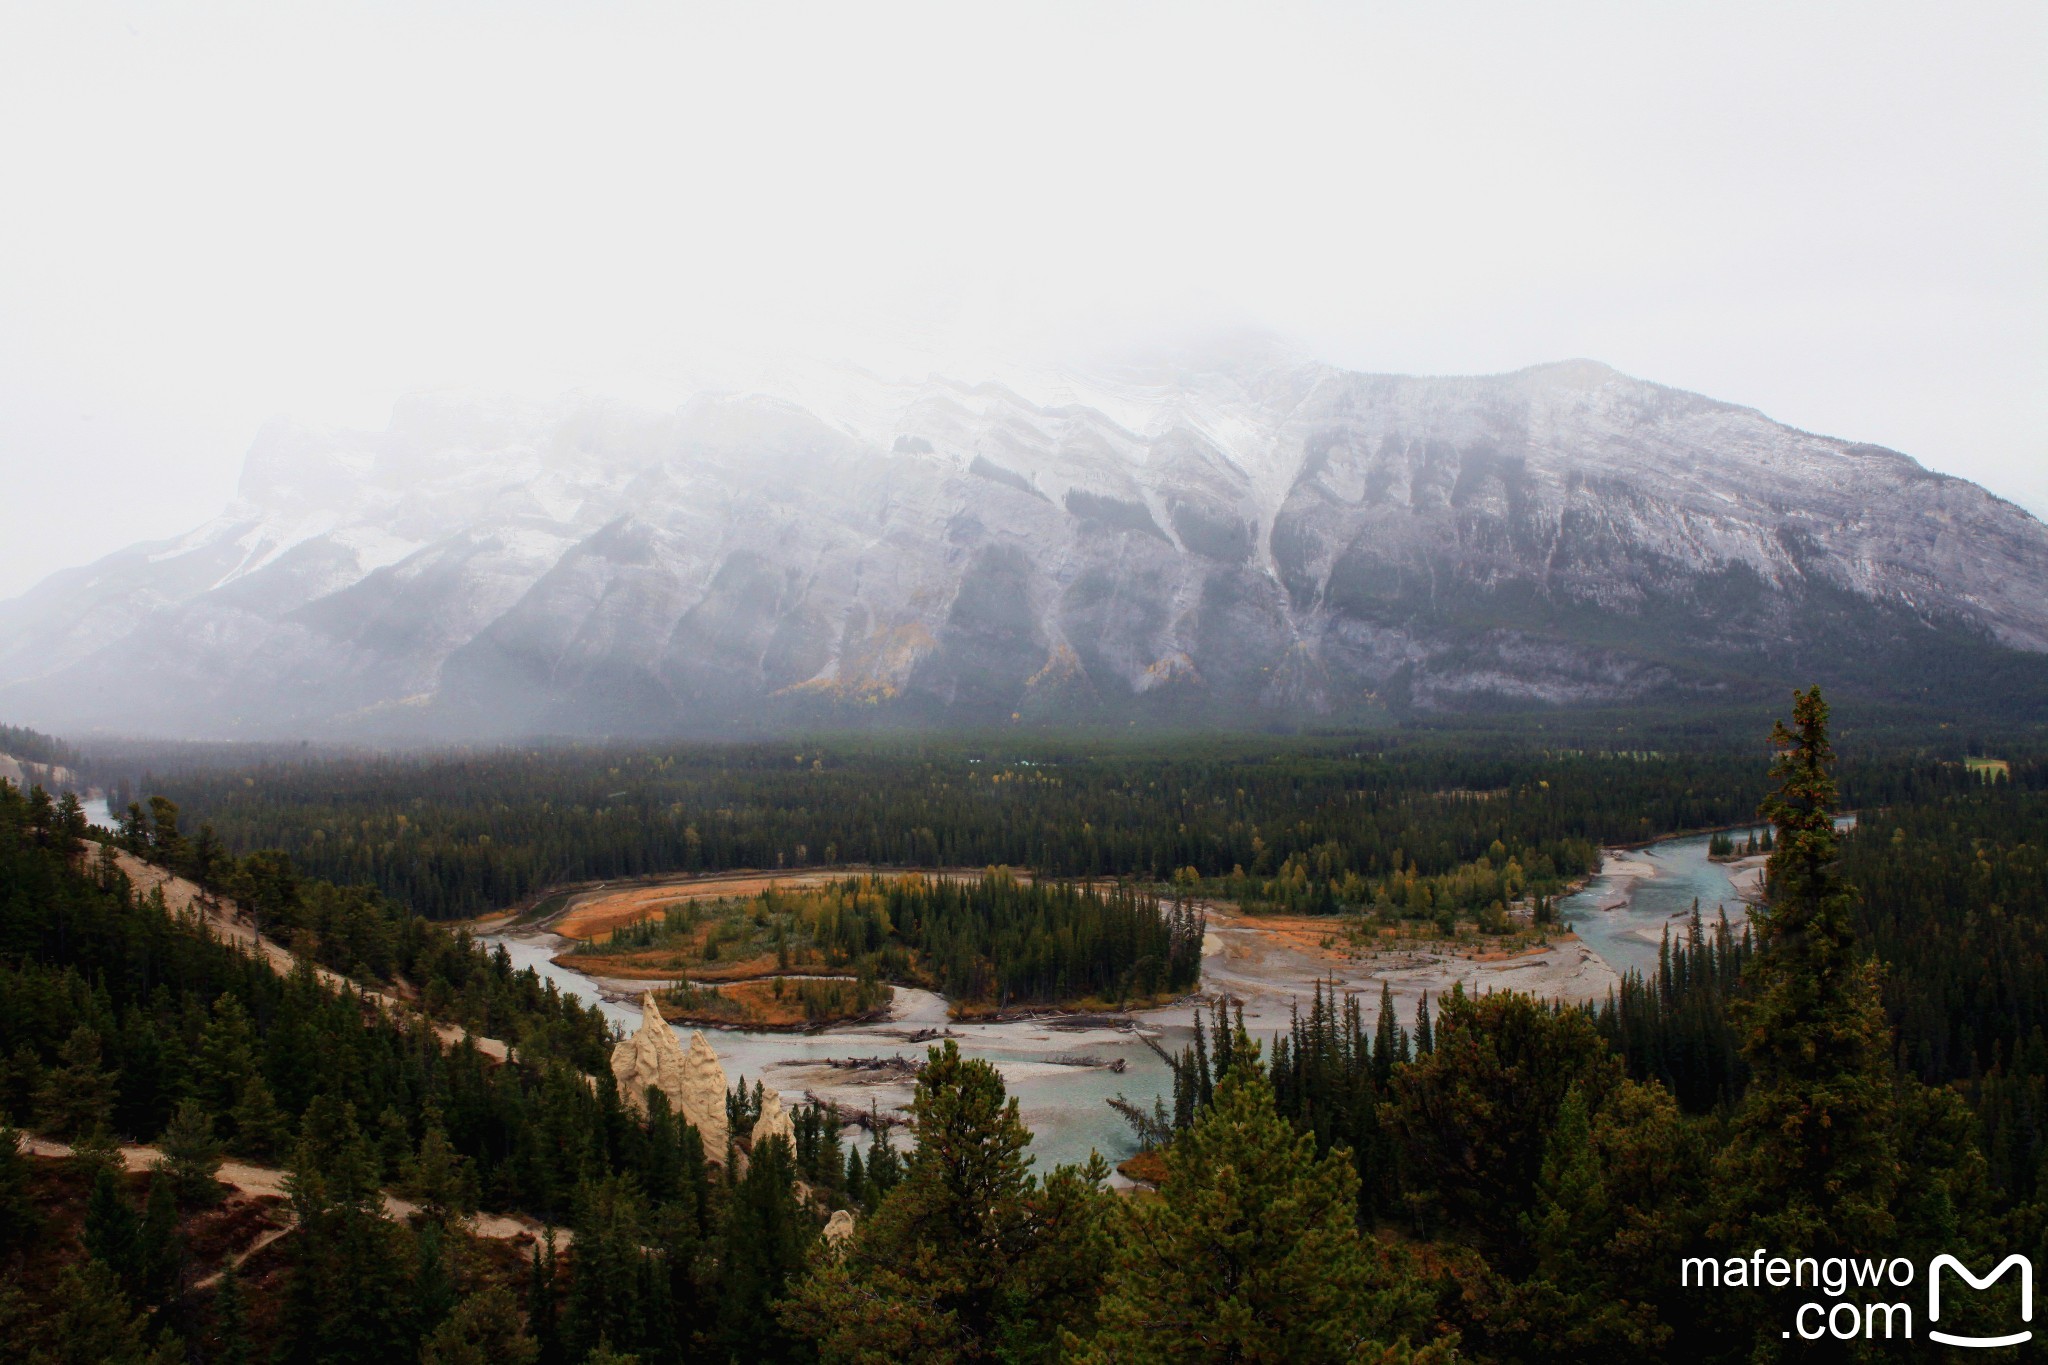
774 1122
691 1078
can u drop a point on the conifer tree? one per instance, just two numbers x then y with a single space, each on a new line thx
230 1319
261 1128
433 1286
345 1298
885 1167
1251 1252
86 1320
484 1329
225 1064
542 1304
1389 1041
159 1248
76 1095
605 1302
112 1232
19 1219
966 1259
855 1182
437 1178
766 1238
191 1160
1474 1116
1812 1166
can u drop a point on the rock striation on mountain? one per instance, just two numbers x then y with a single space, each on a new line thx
1232 541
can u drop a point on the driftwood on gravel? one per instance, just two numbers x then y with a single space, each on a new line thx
871 1118
894 1066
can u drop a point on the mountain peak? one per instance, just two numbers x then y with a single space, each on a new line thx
1229 536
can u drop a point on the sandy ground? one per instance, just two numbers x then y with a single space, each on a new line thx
592 914
1272 963
601 909
1267 962
1623 866
1748 876
226 922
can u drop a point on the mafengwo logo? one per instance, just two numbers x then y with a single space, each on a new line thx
2026 1269
1843 1313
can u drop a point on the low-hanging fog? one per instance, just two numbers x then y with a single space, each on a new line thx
215 216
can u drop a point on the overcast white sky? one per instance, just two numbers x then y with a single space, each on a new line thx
213 213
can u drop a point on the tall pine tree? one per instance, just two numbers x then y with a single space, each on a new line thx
1811 1167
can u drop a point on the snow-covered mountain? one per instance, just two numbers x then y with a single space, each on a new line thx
1227 543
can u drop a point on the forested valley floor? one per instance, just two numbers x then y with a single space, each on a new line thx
366 1139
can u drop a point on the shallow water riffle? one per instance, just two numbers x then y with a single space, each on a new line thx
1063 1104
1623 911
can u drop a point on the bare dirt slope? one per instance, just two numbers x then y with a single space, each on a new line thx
268 1182
225 920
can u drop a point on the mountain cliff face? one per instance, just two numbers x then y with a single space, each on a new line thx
1230 546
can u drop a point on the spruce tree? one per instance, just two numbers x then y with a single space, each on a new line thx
968 1258
1474 1116
1812 1166
19 1219
261 1128
1251 1253
86 1320
885 1167
345 1299
225 1064
437 1178
112 1232
1390 1040
191 1160
433 1286
159 1247
484 1329
605 1302
542 1303
766 1238
77 1095
230 1319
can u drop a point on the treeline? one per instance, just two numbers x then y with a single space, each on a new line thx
1676 1027
1542 1155
1487 887
457 834
355 931
993 939
1497 1180
122 1024
114 1014
1950 899
33 746
999 940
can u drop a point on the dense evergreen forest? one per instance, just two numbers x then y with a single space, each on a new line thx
1859 1072
992 939
32 746
1313 822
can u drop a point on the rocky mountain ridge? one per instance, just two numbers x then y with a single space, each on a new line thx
1224 544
